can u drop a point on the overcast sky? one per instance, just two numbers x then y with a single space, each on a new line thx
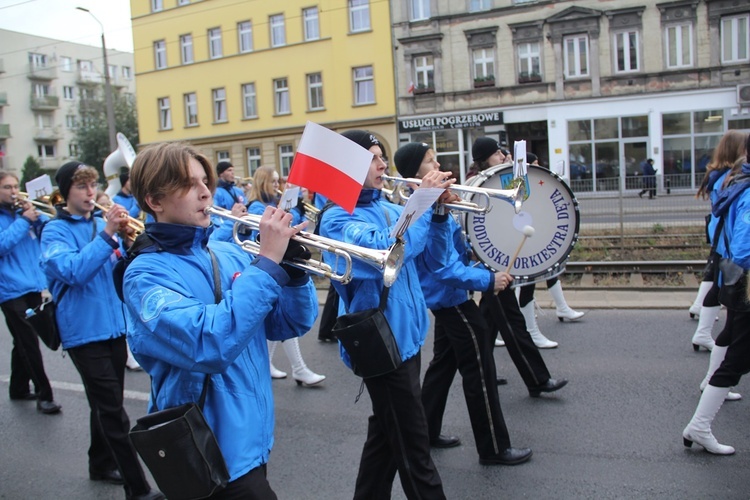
60 20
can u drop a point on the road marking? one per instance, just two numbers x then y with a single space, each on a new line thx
67 386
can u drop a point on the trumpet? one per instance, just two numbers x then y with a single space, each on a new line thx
388 261
135 224
513 196
41 207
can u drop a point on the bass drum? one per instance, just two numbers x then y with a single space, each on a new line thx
550 208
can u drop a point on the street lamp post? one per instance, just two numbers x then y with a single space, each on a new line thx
107 88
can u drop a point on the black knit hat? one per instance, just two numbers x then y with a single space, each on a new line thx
64 176
409 157
222 166
483 148
362 137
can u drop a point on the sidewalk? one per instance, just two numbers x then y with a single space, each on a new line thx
607 298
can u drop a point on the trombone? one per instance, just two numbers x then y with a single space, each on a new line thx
513 196
41 207
136 225
388 261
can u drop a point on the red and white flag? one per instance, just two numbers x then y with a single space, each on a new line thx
411 87
330 164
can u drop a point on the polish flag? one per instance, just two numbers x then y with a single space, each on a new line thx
411 88
330 164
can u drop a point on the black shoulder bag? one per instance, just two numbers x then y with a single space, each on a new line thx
733 290
178 446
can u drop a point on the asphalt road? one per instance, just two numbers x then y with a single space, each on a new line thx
613 432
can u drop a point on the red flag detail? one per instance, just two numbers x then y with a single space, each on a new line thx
323 178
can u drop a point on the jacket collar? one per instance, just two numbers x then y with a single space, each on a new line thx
178 238
367 196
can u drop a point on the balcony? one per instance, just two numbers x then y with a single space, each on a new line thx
42 72
49 162
45 103
89 78
3 99
4 130
47 134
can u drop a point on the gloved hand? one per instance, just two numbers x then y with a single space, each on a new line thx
295 251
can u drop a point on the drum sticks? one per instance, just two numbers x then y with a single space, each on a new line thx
528 232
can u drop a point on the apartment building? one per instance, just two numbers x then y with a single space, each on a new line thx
43 83
593 86
241 79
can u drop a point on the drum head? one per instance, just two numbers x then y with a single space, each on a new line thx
550 209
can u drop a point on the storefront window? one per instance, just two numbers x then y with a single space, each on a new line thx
675 123
635 126
708 121
579 130
607 166
689 141
605 128
581 169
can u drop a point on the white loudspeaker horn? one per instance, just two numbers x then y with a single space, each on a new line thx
123 156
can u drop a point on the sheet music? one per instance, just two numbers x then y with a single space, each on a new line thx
519 159
289 198
420 201
39 187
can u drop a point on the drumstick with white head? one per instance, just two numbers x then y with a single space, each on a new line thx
528 232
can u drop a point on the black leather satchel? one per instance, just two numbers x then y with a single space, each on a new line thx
733 291
368 340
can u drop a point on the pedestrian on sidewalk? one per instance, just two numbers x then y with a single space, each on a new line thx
649 179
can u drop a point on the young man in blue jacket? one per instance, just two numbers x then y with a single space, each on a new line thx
463 340
179 333
21 289
79 252
397 432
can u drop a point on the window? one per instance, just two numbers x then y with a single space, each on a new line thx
315 91
576 56
157 5
183 2
41 90
734 39
38 60
529 62
186 48
214 43
626 51
253 159
71 122
364 85
160 54
359 15
191 109
165 114
222 156
249 108
46 150
87 93
420 9
484 64
310 20
286 155
43 120
66 63
479 5
85 66
112 71
281 96
424 71
679 40
126 72
245 36
69 93
220 105
278 31
73 149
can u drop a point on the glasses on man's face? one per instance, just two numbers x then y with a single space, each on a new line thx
86 186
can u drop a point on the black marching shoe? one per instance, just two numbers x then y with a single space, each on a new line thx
111 476
48 407
511 456
502 381
550 385
151 495
445 441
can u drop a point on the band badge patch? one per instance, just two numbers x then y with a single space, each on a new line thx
155 300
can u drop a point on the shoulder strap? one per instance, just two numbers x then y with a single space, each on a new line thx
319 220
231 193
217 298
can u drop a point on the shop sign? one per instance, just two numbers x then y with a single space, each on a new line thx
466 120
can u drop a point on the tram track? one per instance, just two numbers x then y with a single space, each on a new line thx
634 275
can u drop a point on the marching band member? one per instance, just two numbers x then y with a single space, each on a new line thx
78 255
125 196
397 438
21 289
182 334
463 341
263 194
227 193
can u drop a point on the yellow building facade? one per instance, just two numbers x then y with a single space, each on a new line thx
240 80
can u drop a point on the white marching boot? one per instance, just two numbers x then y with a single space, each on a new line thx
131 363
702 336
275 372
540 340
695 309
563 310
717 356
300 372
499 342
699 428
